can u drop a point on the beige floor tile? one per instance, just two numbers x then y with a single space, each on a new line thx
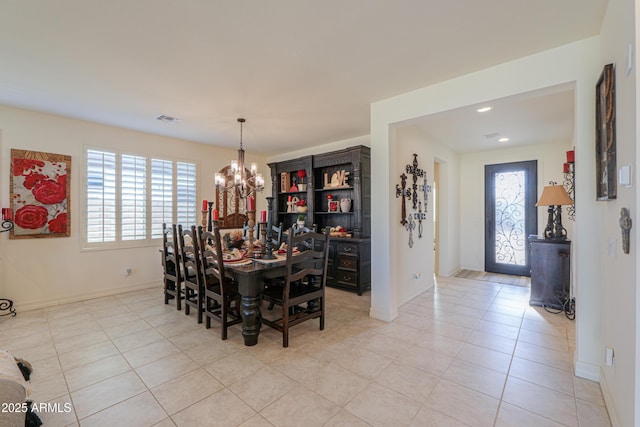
345 419
208 353
492 341
363 362
121 330
163 370
429 417
300 407
58 412
262 387
546 376
381 406
104 394
485 357
440 344
256 421
220 409
544 340
167 422
592 415
499 329
94 372
464 404
337 384
555 359
503 319
48 388
509 416
45 367
80 341
234 367
181 392
456 332
409 381
140 410
137 339
86 355
589 391
476 377
543 401
37 353
150 353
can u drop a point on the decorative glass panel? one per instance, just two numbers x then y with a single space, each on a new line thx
510 236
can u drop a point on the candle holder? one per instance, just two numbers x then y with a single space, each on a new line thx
7 225
269 246
7 305
209 219
251 224
262 226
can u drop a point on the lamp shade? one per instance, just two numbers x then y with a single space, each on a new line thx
553 195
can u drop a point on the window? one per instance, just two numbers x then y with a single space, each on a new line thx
130 196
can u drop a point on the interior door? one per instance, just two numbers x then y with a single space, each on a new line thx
510 216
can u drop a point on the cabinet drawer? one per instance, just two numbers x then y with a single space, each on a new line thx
346 261
347 277
348 248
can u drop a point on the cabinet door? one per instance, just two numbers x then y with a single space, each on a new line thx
550 268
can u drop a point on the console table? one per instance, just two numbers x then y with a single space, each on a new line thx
550 272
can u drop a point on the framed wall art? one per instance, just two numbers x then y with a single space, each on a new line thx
606 134
40 190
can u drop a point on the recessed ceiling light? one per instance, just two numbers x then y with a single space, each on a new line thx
483 109
505 139
168 119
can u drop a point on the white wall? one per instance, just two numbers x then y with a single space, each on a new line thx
620 301
42 272
550 158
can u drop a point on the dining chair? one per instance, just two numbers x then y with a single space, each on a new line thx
172 273
193 294
276 235
221 297
301 292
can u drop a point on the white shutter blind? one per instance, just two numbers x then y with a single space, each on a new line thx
101 196
186 194
161 195
134 197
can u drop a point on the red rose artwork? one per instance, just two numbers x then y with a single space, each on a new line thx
40 194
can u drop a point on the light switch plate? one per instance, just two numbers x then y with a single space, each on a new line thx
624 176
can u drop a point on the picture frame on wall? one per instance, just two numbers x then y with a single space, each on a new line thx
40 191
606 134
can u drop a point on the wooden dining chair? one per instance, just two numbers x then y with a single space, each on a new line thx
301 292
221 297
193 294
276 235
172 273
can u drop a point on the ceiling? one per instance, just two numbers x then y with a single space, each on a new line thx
302 72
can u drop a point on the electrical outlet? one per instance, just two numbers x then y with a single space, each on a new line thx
127 271
608 356
416 275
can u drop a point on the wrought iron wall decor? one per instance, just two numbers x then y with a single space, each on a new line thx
407 219
569 183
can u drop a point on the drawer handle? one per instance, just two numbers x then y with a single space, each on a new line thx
347 249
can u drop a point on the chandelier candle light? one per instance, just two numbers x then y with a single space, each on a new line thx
245 184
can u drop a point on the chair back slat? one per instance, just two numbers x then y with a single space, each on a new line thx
311 262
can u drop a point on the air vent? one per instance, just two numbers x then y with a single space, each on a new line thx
168 119
492 135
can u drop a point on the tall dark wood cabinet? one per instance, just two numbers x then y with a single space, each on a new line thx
550 272
342 175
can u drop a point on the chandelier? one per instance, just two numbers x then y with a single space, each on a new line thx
245 182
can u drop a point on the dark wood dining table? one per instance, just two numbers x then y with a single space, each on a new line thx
250 279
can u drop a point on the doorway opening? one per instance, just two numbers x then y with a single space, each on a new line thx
510 216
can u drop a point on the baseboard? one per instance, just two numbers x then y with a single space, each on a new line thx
34 305
608 401
587 371
382 314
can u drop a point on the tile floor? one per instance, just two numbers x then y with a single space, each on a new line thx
466 353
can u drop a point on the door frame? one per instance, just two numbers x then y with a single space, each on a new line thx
531 214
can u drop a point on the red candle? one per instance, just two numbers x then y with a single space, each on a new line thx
7 214
251 203
566 168
215 215
205 205
571 156
263 216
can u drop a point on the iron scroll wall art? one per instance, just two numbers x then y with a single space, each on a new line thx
412 194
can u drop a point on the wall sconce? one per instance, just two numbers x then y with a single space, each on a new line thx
554 196
7 219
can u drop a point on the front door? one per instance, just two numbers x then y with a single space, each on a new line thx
510 216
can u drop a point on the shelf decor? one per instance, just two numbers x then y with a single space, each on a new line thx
40 190
606 135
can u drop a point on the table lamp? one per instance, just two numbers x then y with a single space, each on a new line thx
554 196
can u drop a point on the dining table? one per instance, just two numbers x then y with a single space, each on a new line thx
250 275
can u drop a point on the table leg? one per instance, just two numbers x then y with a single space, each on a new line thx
251 319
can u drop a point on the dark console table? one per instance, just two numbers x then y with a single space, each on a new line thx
550 273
